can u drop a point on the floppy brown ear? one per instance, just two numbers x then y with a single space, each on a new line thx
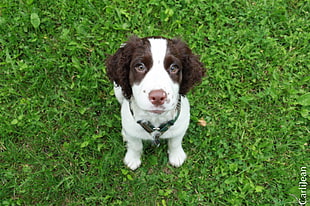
193 70
118 66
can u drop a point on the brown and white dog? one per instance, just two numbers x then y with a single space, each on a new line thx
151 77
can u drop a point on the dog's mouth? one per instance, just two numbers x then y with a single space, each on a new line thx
161 109
157 111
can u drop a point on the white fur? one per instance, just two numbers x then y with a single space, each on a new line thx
157 78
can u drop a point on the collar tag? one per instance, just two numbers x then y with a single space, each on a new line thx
156 141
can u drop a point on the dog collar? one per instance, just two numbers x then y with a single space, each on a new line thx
157 132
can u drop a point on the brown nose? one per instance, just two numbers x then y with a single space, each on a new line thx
158 97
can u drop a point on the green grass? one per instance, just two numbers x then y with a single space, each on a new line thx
60 141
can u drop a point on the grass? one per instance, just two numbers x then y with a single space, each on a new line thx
60 140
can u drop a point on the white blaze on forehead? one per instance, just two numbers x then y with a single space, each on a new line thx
158 50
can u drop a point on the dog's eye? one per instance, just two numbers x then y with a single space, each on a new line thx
174 69
140 67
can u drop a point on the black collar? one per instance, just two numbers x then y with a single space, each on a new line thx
157 132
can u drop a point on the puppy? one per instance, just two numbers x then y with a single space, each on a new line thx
151 78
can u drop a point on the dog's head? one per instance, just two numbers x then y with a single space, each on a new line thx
155 70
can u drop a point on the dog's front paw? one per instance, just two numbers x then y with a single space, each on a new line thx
177 157
132 161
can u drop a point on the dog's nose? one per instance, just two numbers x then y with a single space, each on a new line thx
158 97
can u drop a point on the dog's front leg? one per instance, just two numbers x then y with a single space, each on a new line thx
133 154
176 153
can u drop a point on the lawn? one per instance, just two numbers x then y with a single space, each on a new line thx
248 141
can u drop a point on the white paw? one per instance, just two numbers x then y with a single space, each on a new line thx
132 161
177 158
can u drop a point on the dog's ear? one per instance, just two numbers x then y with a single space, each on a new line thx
118 66
193 70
